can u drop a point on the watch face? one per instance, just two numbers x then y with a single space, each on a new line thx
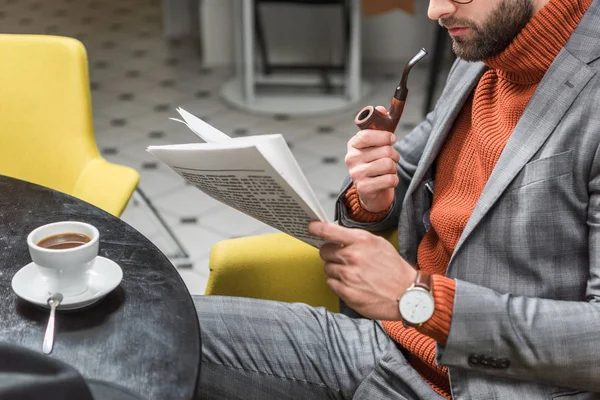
416 306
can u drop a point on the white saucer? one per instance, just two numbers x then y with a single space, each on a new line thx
104 276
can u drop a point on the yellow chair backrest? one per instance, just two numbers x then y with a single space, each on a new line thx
46 128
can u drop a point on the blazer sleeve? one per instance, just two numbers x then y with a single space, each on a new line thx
543 340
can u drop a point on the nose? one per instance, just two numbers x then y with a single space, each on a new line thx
441 9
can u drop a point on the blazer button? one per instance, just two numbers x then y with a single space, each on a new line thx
503 363
474 360
485 362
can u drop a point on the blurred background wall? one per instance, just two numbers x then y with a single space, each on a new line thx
301 32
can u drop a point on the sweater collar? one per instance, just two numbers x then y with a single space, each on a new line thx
530 54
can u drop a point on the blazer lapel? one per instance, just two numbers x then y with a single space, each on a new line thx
446 113
458 90
558 89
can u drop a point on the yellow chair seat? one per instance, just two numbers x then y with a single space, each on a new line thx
273 267
46 129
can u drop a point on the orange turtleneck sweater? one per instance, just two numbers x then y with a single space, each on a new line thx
465 163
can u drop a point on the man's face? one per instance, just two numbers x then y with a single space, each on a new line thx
483 28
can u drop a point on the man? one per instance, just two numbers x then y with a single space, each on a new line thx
496 197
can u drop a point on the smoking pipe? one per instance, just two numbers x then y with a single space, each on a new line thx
371 118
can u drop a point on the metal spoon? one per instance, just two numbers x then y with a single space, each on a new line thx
53 302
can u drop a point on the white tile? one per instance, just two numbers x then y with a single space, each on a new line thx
142 64
122 109
201 266
195 282
290 132
231 222
107 74
167 245
307 161
196 239
186 201
175 132
153 182
101 123
334 120
136 150
157 182
328 204
345 131
328 177
206 107
168 95
122 84
137 217
184 73
102 98
118 136
228 121
187 84
323 145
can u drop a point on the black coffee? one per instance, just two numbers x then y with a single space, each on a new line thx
64 241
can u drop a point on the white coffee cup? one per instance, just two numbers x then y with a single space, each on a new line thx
64 270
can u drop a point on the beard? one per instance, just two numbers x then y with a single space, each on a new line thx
495 34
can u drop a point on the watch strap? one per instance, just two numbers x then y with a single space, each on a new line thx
423 280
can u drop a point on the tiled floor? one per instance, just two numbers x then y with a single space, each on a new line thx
138 79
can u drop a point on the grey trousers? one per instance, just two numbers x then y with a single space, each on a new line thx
258 349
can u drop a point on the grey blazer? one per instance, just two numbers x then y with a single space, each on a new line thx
526 319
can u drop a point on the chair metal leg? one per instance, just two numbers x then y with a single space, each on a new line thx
324 70
354 64
183 254
441 38
260 39
346 27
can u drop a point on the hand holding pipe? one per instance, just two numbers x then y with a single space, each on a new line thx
371 118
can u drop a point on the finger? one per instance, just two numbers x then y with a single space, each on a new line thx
377 184
371 154
371 138
329 252
336 287
383 166
341 290
335 233
333 270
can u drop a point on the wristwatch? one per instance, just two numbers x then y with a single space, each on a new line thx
416 304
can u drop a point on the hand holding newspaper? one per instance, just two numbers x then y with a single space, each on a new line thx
257 175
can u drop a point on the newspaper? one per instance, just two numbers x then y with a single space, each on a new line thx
257 175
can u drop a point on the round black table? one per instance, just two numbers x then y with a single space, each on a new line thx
144 335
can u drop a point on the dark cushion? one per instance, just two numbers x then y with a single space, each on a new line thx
29 375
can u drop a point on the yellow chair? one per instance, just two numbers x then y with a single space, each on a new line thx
46 129
273 267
